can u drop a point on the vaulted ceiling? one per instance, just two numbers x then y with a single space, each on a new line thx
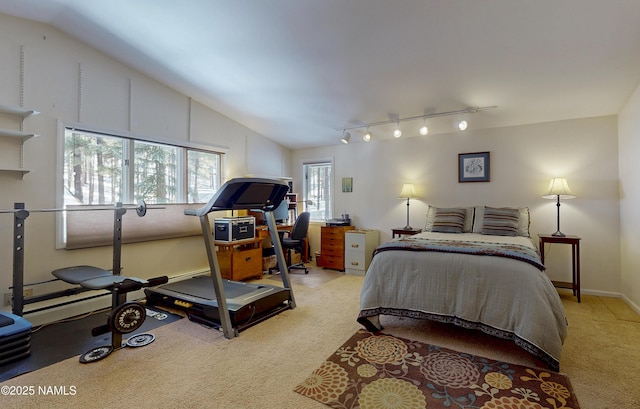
299 71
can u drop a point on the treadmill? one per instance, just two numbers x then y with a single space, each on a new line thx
232 305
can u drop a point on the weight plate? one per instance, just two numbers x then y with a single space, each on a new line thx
140 340
96 354
127 317
141 210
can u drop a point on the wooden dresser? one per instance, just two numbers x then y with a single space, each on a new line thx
332 246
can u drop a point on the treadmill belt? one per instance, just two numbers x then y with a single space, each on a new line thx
202 287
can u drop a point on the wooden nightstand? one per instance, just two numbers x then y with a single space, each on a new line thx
574 241
403 231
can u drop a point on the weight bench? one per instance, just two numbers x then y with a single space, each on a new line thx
89 277
124 317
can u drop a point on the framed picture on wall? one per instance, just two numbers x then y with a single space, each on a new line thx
347 185
473 167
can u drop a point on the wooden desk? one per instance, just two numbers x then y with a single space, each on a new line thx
263 233
574 241
401 231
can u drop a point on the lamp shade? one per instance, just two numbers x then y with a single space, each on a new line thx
559 189
408 191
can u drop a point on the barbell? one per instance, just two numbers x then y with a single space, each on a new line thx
141 209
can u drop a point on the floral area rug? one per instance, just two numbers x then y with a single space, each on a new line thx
383 372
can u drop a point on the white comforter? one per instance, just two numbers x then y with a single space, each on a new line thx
501 296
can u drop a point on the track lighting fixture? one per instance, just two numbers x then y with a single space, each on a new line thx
346 136
367 136
397 133
424 130
462 124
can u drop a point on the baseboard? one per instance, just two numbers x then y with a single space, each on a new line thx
626 299
631 304
600 293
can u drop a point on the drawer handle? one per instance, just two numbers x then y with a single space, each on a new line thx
247 258
354 263
355 246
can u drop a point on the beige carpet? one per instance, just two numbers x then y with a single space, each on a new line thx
189 366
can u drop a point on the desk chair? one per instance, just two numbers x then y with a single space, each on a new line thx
296 240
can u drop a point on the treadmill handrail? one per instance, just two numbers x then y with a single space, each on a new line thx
237 194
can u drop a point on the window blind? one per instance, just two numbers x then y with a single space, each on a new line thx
95 228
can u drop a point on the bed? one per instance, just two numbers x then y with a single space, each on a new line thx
475 267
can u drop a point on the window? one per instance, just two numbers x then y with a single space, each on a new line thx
318 189
155 178
203 175
101 169
106 169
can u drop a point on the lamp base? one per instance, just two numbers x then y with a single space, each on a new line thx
407 227
559 234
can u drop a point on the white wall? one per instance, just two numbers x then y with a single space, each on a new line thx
69 82
523 159
629 150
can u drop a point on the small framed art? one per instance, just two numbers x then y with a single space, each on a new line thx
473 167
347 185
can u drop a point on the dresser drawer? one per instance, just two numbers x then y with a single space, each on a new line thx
333 262
355 242
332 233
240 264
354 260
332 250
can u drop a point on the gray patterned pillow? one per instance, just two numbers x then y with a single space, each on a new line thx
449 220
500 221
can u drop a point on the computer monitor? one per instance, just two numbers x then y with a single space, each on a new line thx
281 213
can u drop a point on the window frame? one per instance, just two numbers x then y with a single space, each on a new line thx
305 186
182 194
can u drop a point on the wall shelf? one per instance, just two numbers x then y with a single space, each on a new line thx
17 111
21 113
16 134
19 171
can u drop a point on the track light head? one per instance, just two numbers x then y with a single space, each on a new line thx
367 136
462 125
424 130
346 136
397 133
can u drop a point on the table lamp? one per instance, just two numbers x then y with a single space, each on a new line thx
559 189
408 192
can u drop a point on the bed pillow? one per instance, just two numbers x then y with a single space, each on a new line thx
431 215
524 220
449 220
500 221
